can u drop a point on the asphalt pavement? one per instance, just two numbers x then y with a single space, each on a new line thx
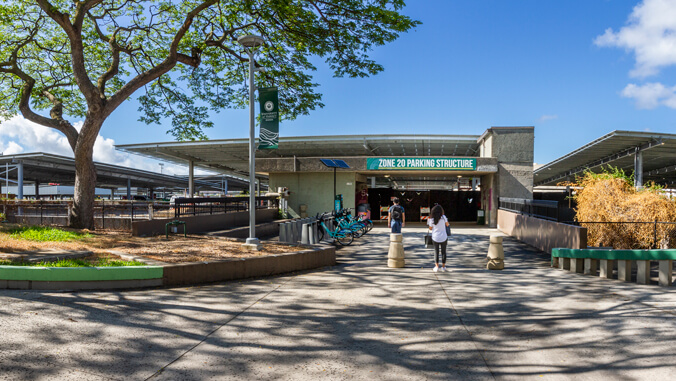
359 320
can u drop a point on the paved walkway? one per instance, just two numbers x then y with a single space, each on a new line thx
356 321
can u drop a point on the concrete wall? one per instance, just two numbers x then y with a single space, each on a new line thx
192 273
542 234
315 189
513 149
200 224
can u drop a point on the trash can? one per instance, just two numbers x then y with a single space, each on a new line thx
480 217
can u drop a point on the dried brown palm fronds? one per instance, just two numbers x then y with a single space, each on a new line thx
610 197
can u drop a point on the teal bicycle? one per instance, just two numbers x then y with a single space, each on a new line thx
341 235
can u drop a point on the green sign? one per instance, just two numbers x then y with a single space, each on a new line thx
417 163
269 136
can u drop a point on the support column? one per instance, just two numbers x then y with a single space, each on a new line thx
638 168
643 272
577 265
225 187
191 178
607 266
128 189
112 194
624 270
666 272
151 194
590 266
19 175
37 189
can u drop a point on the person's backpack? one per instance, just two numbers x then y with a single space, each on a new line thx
396 212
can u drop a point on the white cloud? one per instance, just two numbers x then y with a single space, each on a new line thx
545 118
650 34
651 95
19 135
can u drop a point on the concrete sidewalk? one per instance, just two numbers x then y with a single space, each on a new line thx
358 320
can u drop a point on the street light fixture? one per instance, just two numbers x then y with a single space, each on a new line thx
250 43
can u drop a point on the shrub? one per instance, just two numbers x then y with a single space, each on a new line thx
611 197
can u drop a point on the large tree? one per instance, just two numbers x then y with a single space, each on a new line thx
65 60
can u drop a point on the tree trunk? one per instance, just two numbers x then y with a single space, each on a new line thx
82 213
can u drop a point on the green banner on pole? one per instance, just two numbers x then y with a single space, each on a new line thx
269 136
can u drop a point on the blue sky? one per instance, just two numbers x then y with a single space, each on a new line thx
474 64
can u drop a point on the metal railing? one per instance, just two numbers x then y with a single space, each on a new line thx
205 205
118 214
548 210
631 234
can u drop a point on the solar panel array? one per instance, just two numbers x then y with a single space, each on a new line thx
336 163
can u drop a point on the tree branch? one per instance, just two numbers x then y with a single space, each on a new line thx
74 33
163 67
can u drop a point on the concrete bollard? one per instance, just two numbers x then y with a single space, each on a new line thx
395 257
496 254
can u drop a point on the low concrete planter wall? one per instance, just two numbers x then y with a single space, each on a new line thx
192 273
90 278
78 278
542 234
204 223
604 261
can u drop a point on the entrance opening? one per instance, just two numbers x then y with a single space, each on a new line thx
459 205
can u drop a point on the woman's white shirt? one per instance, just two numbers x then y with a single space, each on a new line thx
438 230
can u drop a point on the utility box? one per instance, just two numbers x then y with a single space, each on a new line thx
480 217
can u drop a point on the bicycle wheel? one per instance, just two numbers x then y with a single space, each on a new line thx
344 237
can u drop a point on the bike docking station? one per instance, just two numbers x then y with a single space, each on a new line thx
395 256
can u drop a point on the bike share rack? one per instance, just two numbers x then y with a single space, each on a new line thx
303 230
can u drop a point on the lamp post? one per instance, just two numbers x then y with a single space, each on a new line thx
250 43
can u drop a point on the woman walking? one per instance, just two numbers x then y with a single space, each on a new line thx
437 224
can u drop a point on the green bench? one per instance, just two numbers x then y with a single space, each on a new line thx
589 261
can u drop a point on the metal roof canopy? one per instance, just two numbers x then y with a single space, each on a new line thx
48 168
231 156
618 149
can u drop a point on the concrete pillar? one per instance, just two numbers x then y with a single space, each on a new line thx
128 189
555 261
225 187
151 194
191 178
496 254
606 270
37 189
395 256
666 272
624 270
638 168
564 263
373 182
643 272
19 176
112 193
590 266
577 265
